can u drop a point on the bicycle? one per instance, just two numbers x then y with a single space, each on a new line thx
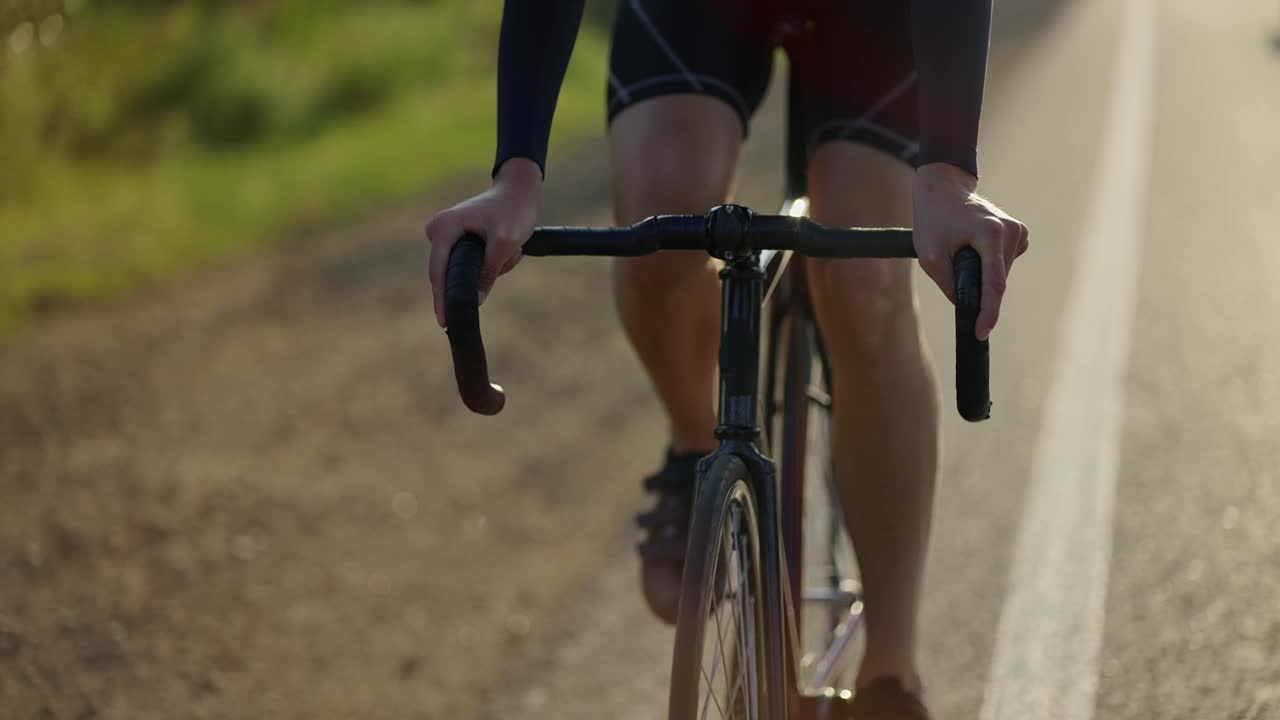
747 549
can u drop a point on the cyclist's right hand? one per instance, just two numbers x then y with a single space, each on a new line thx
504 215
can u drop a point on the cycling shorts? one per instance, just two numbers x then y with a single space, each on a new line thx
851 70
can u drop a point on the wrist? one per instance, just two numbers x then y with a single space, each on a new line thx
942 176
520 175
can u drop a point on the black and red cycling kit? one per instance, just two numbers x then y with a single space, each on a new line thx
903 76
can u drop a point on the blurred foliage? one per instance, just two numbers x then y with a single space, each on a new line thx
142 136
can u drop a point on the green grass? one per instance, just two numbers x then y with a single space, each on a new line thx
150 138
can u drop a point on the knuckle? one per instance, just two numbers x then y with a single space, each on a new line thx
512 237
438 223
933 261
998 284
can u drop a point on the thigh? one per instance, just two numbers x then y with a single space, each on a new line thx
855 121
853 79
862 305
672 154
685 77
717 48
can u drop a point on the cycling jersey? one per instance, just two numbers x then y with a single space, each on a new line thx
905 76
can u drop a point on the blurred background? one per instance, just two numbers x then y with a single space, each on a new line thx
142 138
236 481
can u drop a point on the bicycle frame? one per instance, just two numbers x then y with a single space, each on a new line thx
749 283
750 275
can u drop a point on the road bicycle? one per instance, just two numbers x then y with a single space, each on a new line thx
769 606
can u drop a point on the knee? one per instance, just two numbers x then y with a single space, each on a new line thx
867 308
662 275
673 154
667 183
854 185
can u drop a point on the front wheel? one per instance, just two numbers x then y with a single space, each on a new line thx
723 666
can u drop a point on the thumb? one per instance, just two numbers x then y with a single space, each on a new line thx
498 250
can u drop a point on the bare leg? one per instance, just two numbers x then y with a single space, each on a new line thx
886 420
674 154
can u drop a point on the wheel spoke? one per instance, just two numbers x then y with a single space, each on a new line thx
719 654
746 634
729 547
727 677
739 572
733 691
736 608
712 696
719 660
715 667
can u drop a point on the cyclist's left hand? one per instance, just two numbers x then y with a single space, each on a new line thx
948 216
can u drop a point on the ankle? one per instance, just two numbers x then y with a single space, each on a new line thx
692 443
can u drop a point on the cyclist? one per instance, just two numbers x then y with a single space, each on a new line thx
887 96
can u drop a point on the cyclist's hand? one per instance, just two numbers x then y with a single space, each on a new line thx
948 216
504 215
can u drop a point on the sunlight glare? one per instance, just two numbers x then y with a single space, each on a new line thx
50 29
799 207
20 38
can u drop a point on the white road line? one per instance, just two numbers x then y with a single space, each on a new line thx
1049 638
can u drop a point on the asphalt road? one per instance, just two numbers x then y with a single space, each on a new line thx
253 494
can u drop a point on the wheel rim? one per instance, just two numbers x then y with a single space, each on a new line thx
829 570
829 575
729 686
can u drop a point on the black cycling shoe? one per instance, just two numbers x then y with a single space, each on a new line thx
666 529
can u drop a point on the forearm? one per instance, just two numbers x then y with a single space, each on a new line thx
950 40
534 47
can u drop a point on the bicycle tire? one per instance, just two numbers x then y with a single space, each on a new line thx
725 504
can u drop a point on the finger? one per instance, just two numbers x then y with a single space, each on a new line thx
1024 240
511 264
443 234
498 251
994 282
493 262
1012 236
